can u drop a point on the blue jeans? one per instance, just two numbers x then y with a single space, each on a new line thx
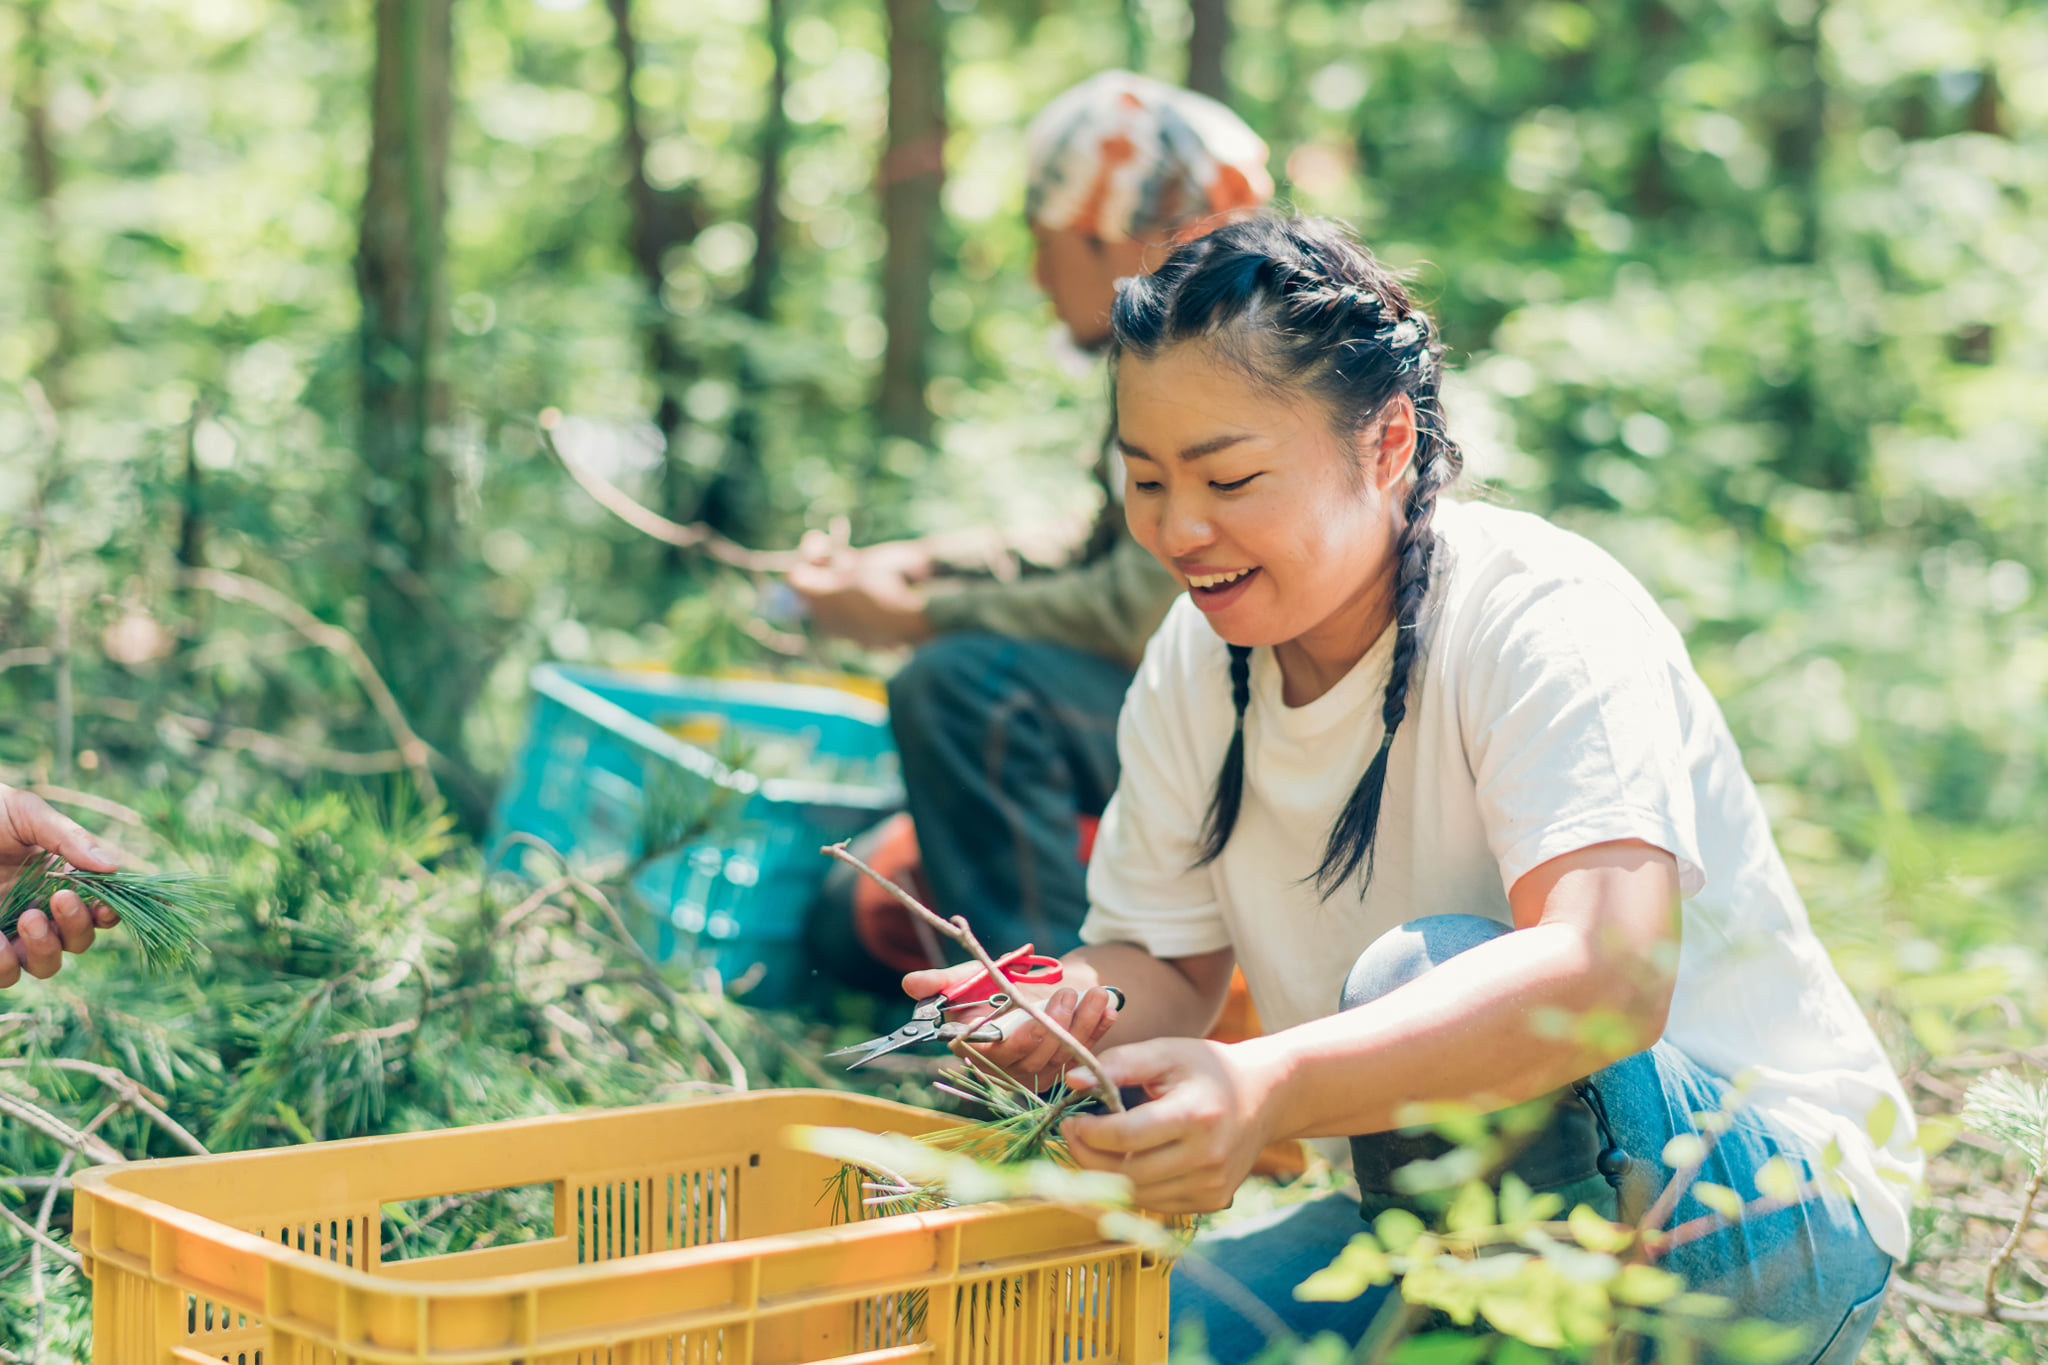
1005 742
1812 1265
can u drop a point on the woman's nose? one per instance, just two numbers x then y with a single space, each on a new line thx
1184 529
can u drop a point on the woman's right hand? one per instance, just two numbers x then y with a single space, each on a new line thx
1027 1051
28 830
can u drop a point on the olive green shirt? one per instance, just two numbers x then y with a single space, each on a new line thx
1108 605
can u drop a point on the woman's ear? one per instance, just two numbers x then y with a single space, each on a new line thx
1393 442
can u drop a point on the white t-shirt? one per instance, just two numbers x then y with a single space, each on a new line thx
1553 708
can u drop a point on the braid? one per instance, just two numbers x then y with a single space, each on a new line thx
1229 796
1353 837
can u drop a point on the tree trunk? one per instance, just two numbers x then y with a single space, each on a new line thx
735 503
431 664
32 91
1131 17
911 175
1208 43
660 223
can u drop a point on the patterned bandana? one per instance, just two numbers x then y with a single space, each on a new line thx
1122 155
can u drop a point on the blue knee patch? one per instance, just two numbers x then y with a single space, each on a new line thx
1407 951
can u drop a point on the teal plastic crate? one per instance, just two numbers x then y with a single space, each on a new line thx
597 739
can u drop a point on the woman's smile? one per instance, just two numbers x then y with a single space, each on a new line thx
1213 590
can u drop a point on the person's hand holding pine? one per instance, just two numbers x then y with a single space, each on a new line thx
29 832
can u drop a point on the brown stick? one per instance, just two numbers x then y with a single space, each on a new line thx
2012 1243
957 930
626 508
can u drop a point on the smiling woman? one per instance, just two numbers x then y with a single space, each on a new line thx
1436 776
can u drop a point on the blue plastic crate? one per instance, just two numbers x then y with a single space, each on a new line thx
597 738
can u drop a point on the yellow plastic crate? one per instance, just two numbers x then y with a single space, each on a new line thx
685 1234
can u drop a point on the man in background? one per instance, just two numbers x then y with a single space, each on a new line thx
1006 715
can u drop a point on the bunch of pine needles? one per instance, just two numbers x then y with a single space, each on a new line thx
163 912
1023 1126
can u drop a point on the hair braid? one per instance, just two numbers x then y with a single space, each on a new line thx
1230 780
1354 837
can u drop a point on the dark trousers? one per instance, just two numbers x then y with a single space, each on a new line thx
1005 743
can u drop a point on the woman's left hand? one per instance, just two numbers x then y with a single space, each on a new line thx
1190 1147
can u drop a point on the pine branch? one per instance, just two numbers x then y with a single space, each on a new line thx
162 911
35 1116
957 930
132 1093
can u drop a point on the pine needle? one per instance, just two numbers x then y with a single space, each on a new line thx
1024 1125
162 911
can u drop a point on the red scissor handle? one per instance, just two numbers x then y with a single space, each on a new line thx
1019 967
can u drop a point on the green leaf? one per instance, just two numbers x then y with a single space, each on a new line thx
1684 1150
1719 1198
1518 1205
1937 1134
289 1117
1472 1210
1882 1120
1358 1267
1972 986
1645 1286
1595 1233
1699 1306
1933 1030
1443 1348
1397 1229
1756 1342
1776 1179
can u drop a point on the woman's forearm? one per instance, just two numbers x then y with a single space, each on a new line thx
1498 1024
1179 998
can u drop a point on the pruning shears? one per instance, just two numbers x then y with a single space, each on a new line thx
928 1020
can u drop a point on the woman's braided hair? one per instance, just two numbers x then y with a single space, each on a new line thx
1301 306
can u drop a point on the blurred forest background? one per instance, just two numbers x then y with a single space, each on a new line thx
1753 292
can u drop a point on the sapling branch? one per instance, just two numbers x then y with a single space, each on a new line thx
956 929
2004 1257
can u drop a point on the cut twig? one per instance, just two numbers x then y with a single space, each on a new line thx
957 930
695 536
